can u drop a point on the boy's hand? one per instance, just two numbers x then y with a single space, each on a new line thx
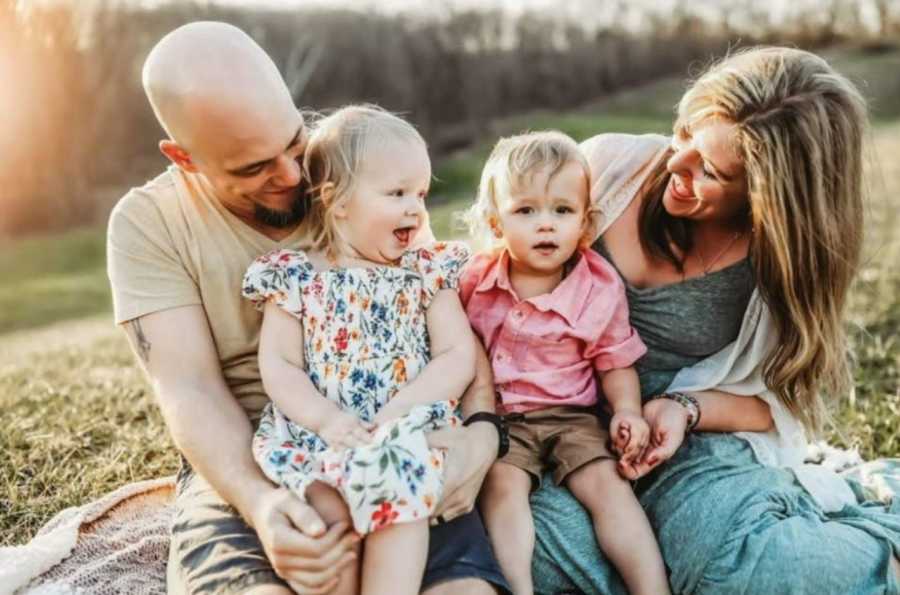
630 435
345 430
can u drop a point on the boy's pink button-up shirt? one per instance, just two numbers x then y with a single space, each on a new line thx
544 350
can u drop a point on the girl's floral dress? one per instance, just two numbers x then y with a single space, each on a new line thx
364 337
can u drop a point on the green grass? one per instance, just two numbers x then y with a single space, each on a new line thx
53 278
78 419
875 73
870 418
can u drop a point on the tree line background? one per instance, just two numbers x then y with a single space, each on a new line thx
76 129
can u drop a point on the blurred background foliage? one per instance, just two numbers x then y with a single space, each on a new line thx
77 130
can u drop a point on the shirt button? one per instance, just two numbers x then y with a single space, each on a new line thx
519 314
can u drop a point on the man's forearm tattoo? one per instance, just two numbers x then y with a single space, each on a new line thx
143 345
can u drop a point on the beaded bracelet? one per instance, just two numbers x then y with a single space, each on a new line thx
687 401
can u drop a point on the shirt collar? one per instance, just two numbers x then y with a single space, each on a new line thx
567 299
497 276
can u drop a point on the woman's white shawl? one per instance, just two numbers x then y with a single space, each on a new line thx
620 164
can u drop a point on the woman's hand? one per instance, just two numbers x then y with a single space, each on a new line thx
345 430
668 425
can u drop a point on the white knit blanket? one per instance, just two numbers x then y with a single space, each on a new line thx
120 542
116 544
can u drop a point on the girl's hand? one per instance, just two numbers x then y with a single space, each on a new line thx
393 409
345 430
668 425
630 435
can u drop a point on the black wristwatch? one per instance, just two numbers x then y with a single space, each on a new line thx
499 423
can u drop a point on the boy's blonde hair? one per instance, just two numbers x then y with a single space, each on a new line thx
512 163
339 145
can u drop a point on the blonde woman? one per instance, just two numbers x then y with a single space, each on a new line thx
737 241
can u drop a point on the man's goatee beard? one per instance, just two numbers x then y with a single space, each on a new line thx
280 219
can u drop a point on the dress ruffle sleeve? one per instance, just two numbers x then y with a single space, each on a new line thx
440 265
278 277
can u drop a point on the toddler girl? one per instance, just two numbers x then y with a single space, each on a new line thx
551 313
364 345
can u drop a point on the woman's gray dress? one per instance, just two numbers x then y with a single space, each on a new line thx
725 523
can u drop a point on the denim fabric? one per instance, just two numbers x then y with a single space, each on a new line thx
460 549
727 524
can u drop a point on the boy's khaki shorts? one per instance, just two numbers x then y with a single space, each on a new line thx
558 439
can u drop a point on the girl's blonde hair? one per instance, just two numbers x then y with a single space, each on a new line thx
800 128
338 147
512 163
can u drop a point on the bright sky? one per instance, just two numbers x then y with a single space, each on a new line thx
777 6
439 5
588 12
387 5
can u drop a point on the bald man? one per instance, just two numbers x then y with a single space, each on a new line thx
178 248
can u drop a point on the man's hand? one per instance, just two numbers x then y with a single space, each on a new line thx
345 430
471 451
300 548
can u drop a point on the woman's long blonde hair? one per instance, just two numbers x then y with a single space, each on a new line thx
338 145
800 129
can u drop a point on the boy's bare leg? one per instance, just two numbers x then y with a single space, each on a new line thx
621 526
895 565
507 518
394 559
332 509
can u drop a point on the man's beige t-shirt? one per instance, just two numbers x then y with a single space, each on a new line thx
171 243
